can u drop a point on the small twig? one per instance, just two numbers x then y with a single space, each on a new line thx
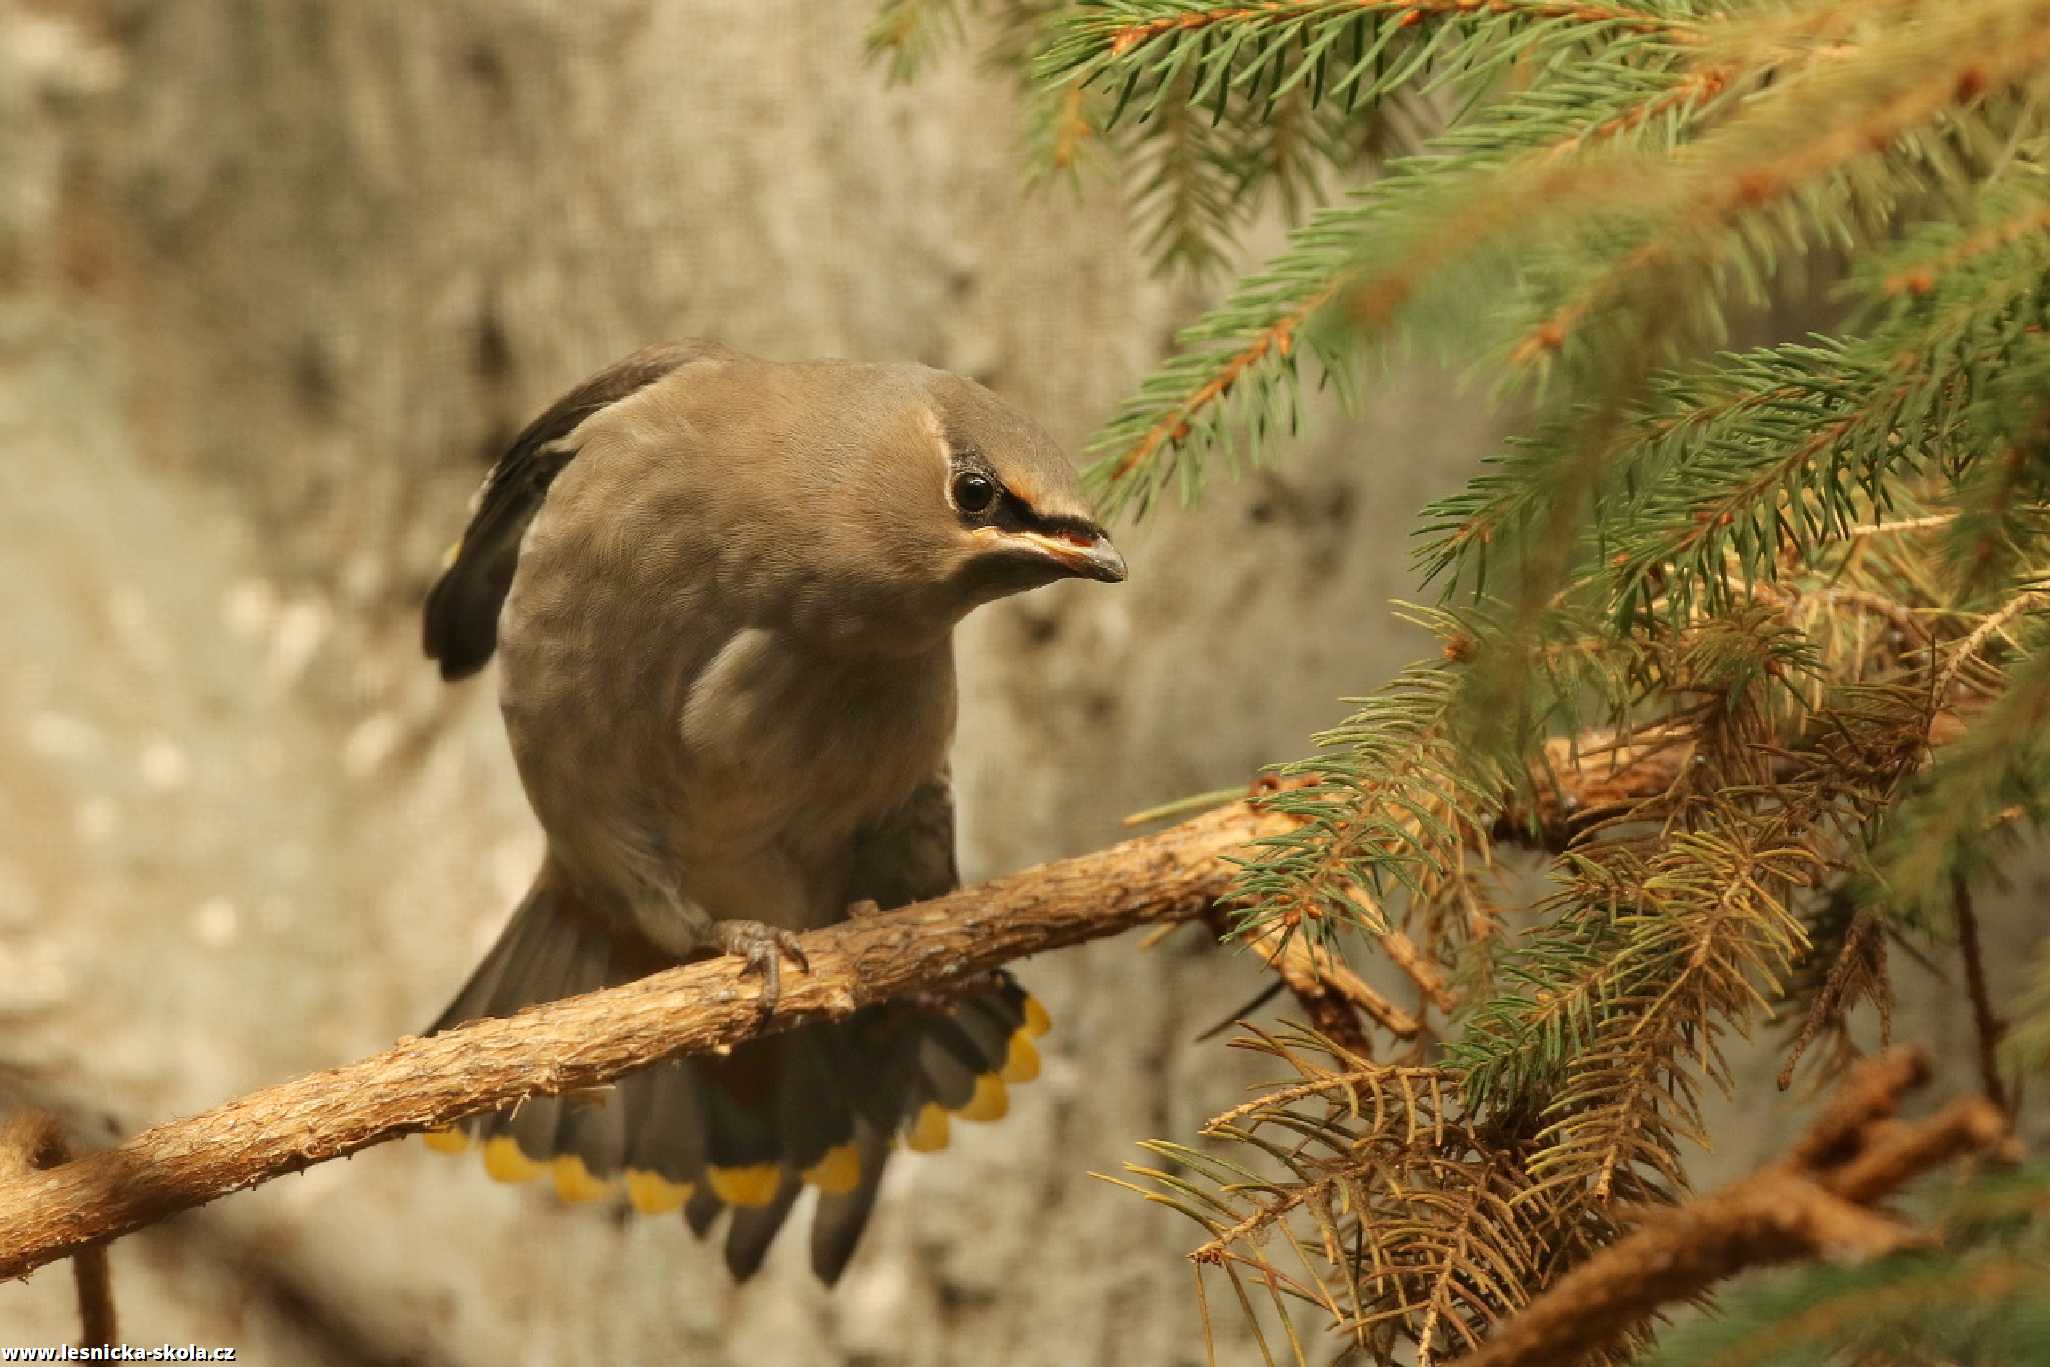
1864 944
1429 978
1989 1026
1897 1154
1814 1202
1328 992
1238 1017
1183 806
1585 778
1349 1081
1906 524
1901 616
1969 648
30 1141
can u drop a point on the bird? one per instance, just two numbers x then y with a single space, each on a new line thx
722 591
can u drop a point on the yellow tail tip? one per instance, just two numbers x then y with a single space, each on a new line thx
1021 1059
838 1173
654 1194
989 1102
504 1161
1037 1022
753 1185
450 1140
928 1133
574 1182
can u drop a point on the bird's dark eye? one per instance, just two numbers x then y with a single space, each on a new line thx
974 492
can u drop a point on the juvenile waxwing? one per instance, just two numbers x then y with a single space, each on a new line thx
723 591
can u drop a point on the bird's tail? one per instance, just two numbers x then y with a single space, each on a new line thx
822 1105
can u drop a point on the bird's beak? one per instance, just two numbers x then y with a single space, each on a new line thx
1086 555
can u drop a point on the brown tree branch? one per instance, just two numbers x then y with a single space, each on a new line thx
1814 1202
1331 995
586 1041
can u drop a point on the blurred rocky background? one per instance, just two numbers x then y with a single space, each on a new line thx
277 280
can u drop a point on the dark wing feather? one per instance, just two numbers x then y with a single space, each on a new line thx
909 857
823 1105
460 626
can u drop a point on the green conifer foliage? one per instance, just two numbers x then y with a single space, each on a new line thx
1787 608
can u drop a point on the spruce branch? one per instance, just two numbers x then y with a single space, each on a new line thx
1257 357
1125 29
1975 1298
1399 1215
1234 378
1997 771
584 1042
1802 167
1792 790
1391 779
1816 1202
1856 968
1790 597
1123 35
1185 193
1331 995
1994 627
1661 937
905 33
1730 207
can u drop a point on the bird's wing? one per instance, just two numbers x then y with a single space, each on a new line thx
909 856
460 626
919 1063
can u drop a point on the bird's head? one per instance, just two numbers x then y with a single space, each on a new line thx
1016 517
957 499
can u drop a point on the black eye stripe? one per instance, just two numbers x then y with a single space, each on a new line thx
1060 523
1005 510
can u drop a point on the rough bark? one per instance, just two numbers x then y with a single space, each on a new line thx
584 1042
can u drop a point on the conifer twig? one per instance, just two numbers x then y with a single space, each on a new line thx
1900 526
1329 993
1982 635
1989 1027
1864 943
1139 31
1424 972
1174 426
1814 1202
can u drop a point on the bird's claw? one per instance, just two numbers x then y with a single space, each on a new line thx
762 949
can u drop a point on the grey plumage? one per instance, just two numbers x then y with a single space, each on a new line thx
723 591
460 623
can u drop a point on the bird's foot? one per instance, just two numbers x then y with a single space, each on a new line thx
867 906
762 949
